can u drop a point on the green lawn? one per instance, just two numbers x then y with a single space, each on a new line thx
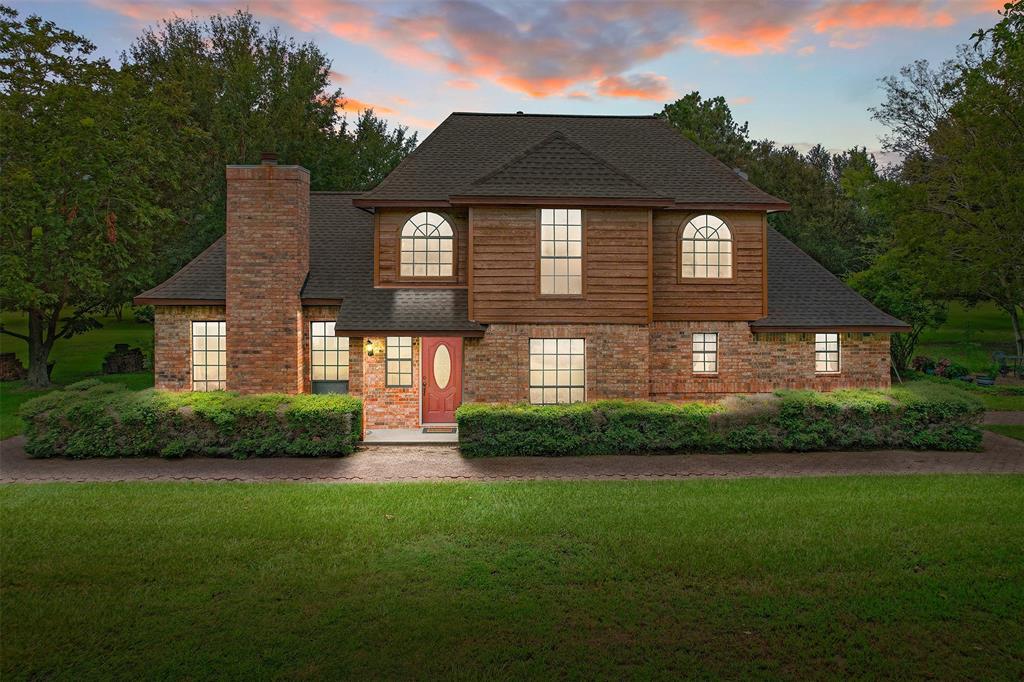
868 577
969 336
75 359
1011 430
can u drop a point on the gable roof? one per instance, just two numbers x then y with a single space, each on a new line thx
558 167
804 295
644 149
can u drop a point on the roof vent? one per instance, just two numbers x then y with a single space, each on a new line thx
740 173
268 158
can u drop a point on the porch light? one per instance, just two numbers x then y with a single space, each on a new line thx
373 346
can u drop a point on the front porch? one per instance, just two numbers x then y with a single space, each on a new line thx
422 436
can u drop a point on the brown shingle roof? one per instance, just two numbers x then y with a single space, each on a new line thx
644 149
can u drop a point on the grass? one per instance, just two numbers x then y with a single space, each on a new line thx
74 359
969 336
867 577
1011 430
996 398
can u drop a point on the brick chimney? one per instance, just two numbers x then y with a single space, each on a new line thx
267 262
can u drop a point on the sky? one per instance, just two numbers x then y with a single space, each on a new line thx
799 71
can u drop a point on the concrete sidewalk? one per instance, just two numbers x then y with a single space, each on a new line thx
443 463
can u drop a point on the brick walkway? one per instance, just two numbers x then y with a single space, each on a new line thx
443 463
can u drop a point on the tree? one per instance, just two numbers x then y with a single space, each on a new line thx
896 287
79 161
248 90
962 127
710 124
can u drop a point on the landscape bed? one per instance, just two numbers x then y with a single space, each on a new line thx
927 416
94 419
901 577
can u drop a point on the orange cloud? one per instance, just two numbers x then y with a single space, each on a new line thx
461 84
355 106
879 14
638 86
740 101
744 42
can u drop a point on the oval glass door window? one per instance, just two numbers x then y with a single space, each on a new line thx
442 366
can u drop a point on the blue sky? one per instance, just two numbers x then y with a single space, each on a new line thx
800 71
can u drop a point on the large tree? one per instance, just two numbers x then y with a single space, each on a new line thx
80 160
248 90
962 182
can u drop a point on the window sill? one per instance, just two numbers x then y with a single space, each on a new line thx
705 280
706 375
827 374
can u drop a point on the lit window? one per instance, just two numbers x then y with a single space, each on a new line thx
209 365
705 353
398 361
557 371
706 249
427 246
826 353
561 251
328 357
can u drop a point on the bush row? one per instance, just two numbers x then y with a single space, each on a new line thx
925 417
93 419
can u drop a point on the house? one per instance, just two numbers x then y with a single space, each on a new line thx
513 257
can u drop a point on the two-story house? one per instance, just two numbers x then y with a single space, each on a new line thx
513 257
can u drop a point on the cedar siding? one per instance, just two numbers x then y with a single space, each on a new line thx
505 261
388 226
739 298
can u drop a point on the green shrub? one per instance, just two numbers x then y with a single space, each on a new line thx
93 419
926 417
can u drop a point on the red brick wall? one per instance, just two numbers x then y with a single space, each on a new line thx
634 361
761 363
496 366
172 343
267 262
390 407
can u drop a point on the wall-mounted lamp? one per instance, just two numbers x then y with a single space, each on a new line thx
373 346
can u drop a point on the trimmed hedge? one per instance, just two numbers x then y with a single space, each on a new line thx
94 419
918 418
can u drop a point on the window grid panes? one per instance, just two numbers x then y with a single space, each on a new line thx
427 247
561 251
398 361
705 353
826 352
557 371
706 249
328 353
209 362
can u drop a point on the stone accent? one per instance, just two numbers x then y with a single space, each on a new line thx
267 263
496 366
389 407
11 368
172 343
123 360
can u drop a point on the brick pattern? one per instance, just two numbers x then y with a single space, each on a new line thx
496 366
267 262
389 407
172 343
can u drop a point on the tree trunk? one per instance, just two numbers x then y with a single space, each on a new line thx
1018 333
38 352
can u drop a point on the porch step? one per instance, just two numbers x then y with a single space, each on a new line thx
410 437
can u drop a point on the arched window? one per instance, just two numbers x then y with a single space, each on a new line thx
706 249
427 246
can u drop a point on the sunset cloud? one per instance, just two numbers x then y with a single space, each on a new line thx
461 84
350 105
637 86
740 101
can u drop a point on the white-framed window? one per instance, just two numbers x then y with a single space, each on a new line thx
706 249
427 247
328 353
398 361
826 353
557 371
561 251
705 353
209 356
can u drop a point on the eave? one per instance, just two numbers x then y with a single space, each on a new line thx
807 329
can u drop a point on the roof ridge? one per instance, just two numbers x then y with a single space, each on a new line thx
182 270
521 114
559 135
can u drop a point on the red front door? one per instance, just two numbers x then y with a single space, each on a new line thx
442 379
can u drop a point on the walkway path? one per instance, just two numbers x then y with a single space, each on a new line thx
437 463
1009 417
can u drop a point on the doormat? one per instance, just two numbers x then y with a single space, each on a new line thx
440 429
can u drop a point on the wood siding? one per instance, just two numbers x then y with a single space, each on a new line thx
388 224
741 298
505 261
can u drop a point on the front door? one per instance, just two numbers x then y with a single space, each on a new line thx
442 379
